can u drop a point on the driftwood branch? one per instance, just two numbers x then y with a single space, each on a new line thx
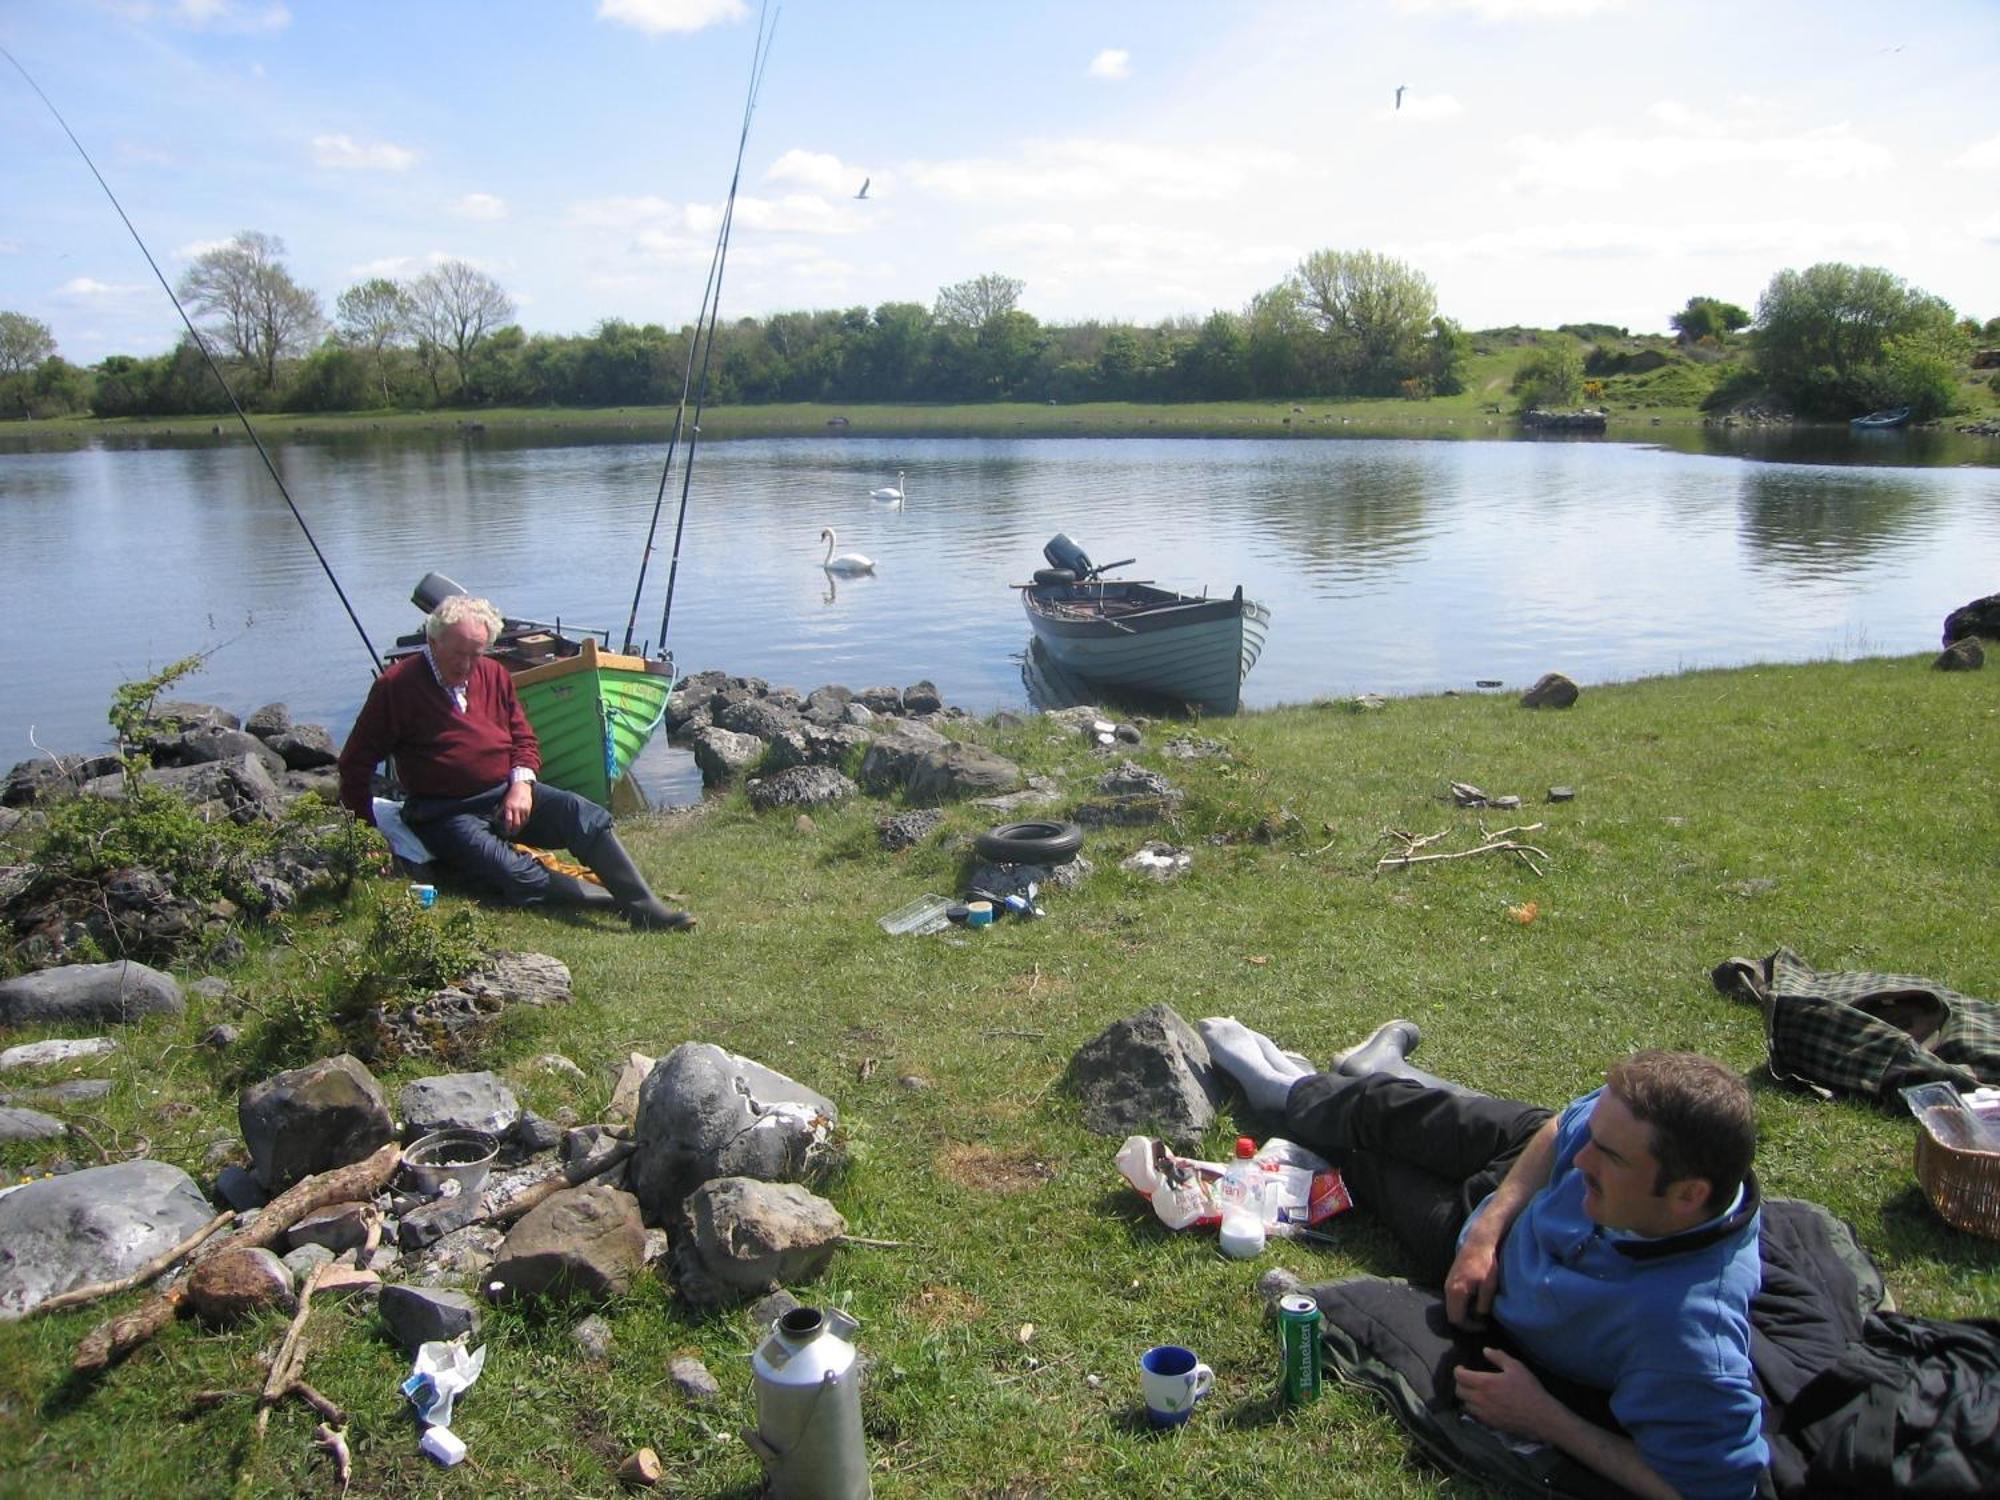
1502 842
863 1242
291 1359
571 1176
77 1296
115 1338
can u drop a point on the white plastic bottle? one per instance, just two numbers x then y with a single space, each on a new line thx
1241 1196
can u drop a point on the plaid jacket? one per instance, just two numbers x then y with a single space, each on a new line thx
1868 1034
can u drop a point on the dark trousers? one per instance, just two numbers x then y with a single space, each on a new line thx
463 834
1421 1158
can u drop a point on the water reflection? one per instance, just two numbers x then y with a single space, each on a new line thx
1820 523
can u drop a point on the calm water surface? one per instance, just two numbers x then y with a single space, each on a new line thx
1390 566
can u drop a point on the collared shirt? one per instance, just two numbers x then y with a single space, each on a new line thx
458 701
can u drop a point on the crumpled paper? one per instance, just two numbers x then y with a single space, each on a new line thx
443 1370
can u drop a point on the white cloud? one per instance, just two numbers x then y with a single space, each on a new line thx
10 247
480 206
1426 107
195 249
343 151
1112 62
209 15
620 213
1516 10
394 266
656 16
1028 236
817 170
1095 170
1607 161
795 213
1779 240
89 289
1987 229
1984 157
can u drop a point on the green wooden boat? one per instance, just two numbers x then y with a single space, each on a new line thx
593 713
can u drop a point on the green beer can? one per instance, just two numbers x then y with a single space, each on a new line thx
1298 1328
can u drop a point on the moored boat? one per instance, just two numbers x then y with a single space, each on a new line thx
1128 635
1895 416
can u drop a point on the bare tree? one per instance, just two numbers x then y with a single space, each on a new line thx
456 305
376 315
975 303
255 309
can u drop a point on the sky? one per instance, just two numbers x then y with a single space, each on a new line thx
1541 161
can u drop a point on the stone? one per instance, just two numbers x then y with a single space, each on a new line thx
338 1226
723 755
895 753
1963 655
304 1260
99 1224
241 789
1551 690
1158 861
588 1149
624 1106
69 1091
1149 1074
757 717
1979 618
272 718
922 698
905 830
555 1062
55 1050
416 1315
690 1377
532 1135
593 1339
177 714
860 715
958 771
461 1258
1126 734
326 1114
706 1113
120 991
338 1283
828 705
200 747
458 1101
753 1236
1130 779
1191 747
18 1126
801 786
430 1222
768 1309
236 1187
221 1038
306 748
811 745
581 1242
880 700
658 1243
42 780
238 1284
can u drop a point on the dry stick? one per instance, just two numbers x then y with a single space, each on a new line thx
508 1212
79 1295
117 1337
1504 846
290 1353
332 1436
867 1244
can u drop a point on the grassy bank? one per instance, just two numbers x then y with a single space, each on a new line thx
1836 808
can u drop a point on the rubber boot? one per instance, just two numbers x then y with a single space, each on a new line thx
567 890
1386 1051
645 911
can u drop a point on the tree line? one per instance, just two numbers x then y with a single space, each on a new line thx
1829 341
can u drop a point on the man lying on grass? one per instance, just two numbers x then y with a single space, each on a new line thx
1614 1246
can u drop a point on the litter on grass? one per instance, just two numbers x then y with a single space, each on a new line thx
1306 1190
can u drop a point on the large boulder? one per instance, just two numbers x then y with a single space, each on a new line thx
581 1242
759 717
706 1113
1963 655
20 1125
921 697
239 1283
958 771
812 744
1979 618
199 747
176 714
326 1114
305 747
90 1226
753 1236
896 753
418 1315
458 1101
122 990
801 786
723 754
271 719
1149 1074
242 789
1551 690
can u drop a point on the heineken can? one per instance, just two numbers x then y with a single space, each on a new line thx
1298 1329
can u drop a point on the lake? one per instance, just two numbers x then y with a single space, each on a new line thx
1390 566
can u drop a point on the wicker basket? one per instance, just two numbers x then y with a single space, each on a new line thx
1963 1186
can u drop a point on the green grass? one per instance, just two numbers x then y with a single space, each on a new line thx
1841 809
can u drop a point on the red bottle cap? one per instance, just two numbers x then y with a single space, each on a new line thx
1245 1147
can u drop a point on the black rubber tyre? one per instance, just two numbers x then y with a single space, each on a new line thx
1036 842
1054 575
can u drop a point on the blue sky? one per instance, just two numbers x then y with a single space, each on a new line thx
1551 160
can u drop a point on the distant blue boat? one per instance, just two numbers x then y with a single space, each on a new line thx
1895 416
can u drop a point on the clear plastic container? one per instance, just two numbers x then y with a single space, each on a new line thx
1240 1195
925 914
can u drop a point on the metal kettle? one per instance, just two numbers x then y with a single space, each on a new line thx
808 1433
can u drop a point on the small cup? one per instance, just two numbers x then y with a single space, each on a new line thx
426 895
1173 1380
979 913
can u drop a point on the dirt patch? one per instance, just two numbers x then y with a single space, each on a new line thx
937 1306
991 1171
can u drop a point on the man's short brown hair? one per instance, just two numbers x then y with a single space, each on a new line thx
1701 1117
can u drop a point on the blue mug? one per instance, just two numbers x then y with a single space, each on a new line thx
1173 1380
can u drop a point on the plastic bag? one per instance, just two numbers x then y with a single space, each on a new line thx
442 1370
1307 1189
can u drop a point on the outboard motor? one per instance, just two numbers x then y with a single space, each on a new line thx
1064 553
433 591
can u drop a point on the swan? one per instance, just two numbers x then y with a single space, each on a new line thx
847 562
890 492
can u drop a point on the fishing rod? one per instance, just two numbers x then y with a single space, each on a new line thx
702 342
200 343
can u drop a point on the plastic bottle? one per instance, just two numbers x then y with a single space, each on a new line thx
1241 1196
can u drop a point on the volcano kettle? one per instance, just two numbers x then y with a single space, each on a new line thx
808 1433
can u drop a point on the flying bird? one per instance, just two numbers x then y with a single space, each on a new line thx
1399 102
864 187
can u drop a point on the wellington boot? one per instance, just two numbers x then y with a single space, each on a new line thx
645 911
1387 1051
567 890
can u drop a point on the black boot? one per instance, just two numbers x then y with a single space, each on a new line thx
1387 1051
611 864
567 890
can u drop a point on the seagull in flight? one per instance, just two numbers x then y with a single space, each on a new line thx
864 187
1399 94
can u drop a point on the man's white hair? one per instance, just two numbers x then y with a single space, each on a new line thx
463 607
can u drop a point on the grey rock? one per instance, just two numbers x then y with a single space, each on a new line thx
880 700
723 755
706 1113
624 1106
1962 655
905 830
42 780
533 1135
1130 779
593 1339
242 790
922 698
1149 1074
236 1187
272 718
813 745
828 705
582 1242
22 1125
306 748
690 1377
338 1226
860 715
237 1284
326 1114
801 786
958 771
430 1222
1191 747
458 1101
1009 880
175 714
757 717
221 1038
588 1149
55 1050
200 747
461 1258
896 753
1126 734
658 1243
94 1225
305 1259
768 1309
555 1062
752 1236
1979 618
69 1091
1551 690
417 1315
123 990
1158 861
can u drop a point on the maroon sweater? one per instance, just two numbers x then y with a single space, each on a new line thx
439 751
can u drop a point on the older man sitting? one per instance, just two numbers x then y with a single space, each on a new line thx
467 759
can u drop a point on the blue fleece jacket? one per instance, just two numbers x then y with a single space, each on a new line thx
1664 1329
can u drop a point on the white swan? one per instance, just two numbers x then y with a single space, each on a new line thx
847 562
892 493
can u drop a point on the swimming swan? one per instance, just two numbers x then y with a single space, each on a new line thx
847 562
890 492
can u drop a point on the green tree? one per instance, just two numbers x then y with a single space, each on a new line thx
454 305
972 304
24 343
1446 349
1216 365
1371 313
1824 337
1706 317
254 309
375 316
1551 375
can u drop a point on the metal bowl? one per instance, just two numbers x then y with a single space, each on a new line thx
461 1156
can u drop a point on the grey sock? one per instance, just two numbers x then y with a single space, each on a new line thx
1241 1053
